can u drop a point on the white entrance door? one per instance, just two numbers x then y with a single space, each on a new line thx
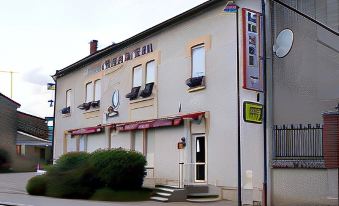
199 158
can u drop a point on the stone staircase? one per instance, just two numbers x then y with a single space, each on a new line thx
168 193
191 193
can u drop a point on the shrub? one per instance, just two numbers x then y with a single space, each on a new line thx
70 161
118 168
107 194
4 160
76 183
37 185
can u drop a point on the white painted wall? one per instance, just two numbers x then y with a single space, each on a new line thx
95 142
122 140
219 98
304 187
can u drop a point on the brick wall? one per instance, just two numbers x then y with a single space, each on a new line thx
8 124
331 140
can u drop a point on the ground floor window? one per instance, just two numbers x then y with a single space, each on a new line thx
82 143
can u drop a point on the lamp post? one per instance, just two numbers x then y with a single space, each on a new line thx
11 73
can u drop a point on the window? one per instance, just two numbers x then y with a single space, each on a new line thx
137 76
68 98
97 90
150 72
198 61
83 143
143 80
89 92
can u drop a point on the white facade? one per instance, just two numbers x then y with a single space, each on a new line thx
215 134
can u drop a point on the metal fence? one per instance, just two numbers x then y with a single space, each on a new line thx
297 142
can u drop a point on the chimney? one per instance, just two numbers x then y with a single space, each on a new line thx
93 46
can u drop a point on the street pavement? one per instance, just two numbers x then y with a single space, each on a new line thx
13 193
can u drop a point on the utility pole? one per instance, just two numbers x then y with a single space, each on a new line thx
11 73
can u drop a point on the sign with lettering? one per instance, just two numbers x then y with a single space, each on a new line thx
252 50
252 112
231 7
140 51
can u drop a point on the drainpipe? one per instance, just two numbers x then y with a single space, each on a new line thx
263 11
55 91
238 105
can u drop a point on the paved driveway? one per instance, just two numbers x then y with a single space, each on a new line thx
12 192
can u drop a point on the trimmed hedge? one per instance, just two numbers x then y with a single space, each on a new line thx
74 184
119 168
70 161
80 175
37 185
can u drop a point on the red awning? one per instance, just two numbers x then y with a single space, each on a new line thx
146 124
154 123
194 116
88 130
143 124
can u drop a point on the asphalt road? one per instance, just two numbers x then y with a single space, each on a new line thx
12 192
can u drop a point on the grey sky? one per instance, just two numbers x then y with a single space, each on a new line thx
41 36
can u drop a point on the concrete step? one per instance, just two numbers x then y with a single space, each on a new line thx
164 189
196 188
163 194
168 186
202 195
159 199
203 199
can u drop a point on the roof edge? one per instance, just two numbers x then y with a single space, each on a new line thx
9 99
40 118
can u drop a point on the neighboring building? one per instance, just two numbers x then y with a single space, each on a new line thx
24 136
50 124
305 86
8 125
32 139
174 82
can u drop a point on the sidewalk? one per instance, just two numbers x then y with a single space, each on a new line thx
12 192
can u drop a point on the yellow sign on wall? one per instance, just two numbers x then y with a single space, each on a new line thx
252 112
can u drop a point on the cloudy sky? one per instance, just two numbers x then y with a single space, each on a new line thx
39 37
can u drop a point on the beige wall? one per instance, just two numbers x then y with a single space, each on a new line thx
219 98
304 187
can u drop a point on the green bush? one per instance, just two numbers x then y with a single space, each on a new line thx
107 194
4 160
78 175
75 184
37 185
118 168
70 161
71 177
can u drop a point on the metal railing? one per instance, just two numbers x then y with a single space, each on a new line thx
297 142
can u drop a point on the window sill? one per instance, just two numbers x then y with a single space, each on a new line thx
92 110
194 89
66 115
141 100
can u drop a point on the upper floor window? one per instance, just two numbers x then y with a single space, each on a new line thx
67 108
198 60
137 76
97 90
68 98
89 92
150 72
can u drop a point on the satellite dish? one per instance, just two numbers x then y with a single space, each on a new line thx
283 43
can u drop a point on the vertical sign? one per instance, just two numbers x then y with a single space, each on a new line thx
252 50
